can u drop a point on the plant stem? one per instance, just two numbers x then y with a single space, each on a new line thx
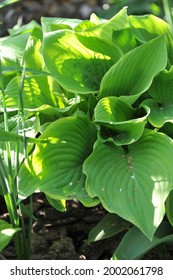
30 229
26 236
7 179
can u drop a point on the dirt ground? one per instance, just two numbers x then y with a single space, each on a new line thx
62 235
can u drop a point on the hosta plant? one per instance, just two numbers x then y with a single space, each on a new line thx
86 113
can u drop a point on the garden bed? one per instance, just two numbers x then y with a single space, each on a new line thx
62 235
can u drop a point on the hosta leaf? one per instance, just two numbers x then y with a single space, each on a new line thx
15 137
56 167
106 28
47 23
120 119
167 129
32 55
59 205
6 233
133 181
78 62
148 27
109 226
162 87
169 208
84 25
7 2
159 114
24 28
134 244
12 48
124 39
37 91
132 74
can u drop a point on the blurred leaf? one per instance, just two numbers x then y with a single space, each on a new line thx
7 2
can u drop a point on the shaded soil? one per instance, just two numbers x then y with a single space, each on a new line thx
62 235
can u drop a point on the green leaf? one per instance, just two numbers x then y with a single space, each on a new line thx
126 179
124 39
120 119
38 90
27 211
105 28
148 27
134 244
10 136
78 62
6 233
169 208
15 137
25 28
109 226
32 56
159 114
55 168
84 25
7 2
12 48
132 74
162 87
47 23
59 205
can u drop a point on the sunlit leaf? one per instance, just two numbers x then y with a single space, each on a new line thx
148 27
32 56
105 28
56 167
47 23
132 74
12 48
6 233
124 39
38 90
79 62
